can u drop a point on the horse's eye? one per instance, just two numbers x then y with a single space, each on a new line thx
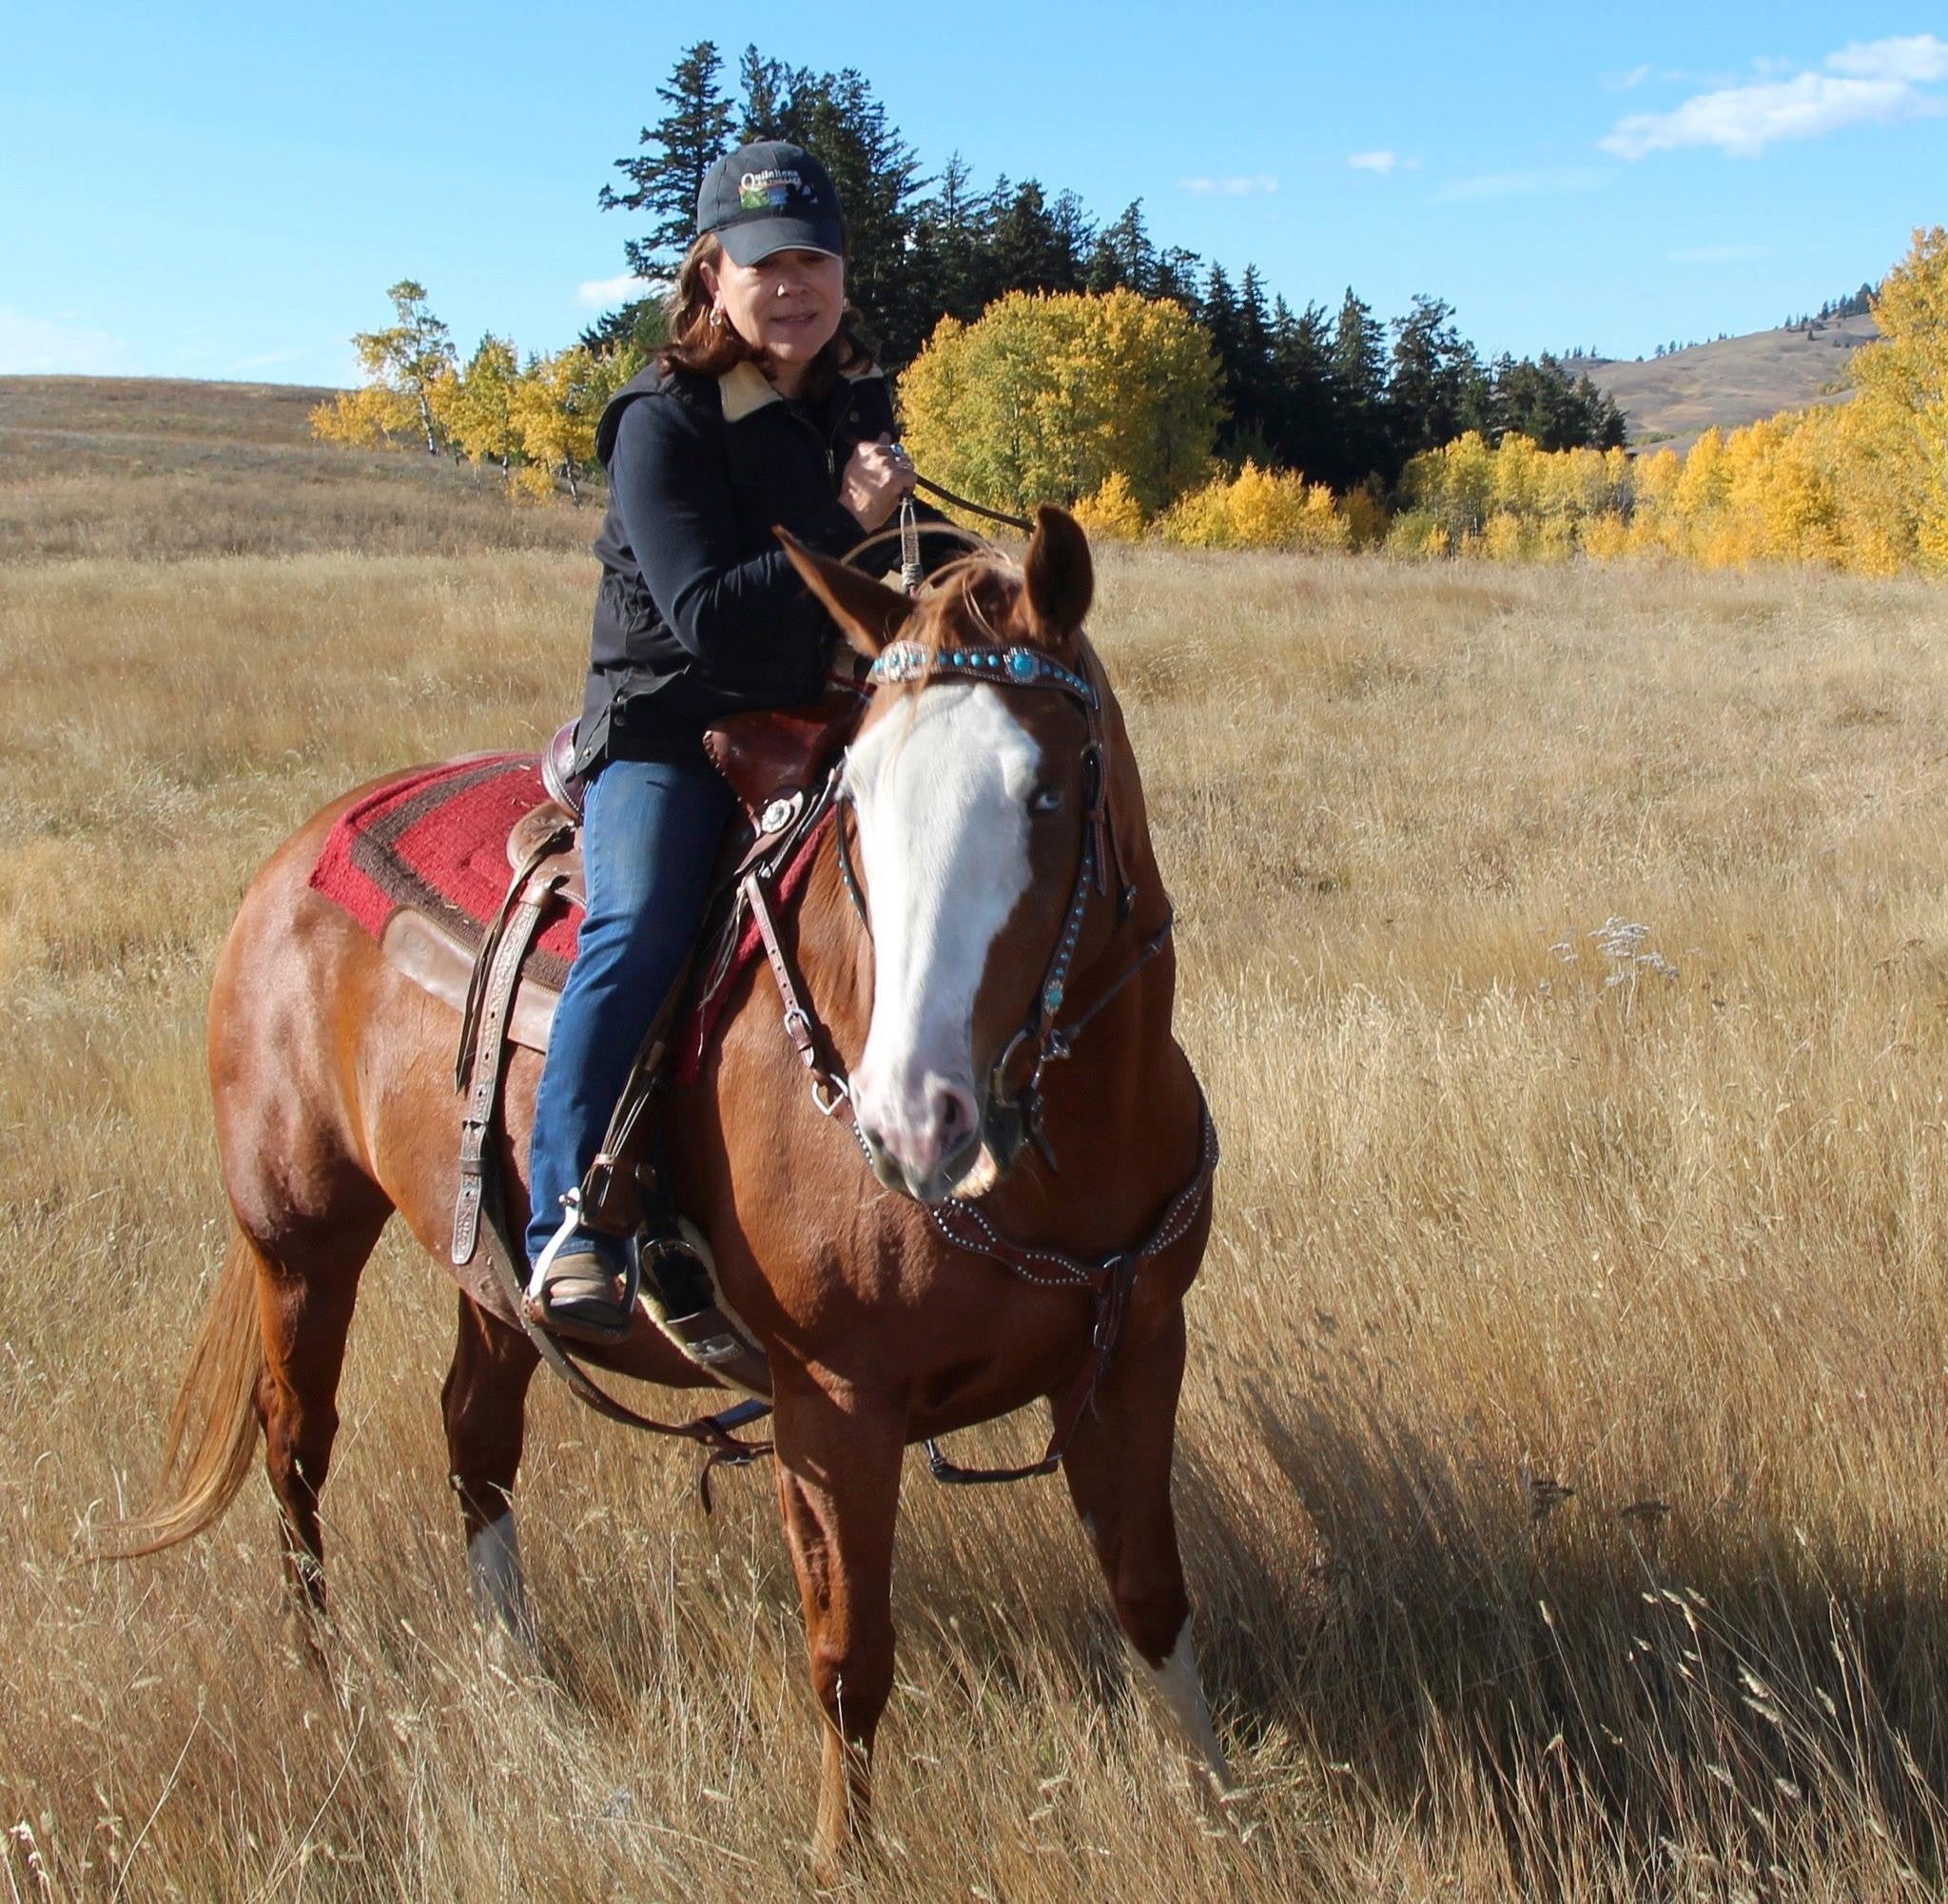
1045 799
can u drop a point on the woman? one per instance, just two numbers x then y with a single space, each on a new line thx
763 408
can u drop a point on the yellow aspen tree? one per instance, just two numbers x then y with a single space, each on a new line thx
410 356
1655 524
1516 485
1699 494
476 407
371 417
556 404
1199 518
1044 395
1901 399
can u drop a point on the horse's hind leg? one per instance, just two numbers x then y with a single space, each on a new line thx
483 1402
1118 1468
307 1282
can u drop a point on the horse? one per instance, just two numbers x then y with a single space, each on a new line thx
990 870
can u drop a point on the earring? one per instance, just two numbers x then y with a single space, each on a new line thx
716 317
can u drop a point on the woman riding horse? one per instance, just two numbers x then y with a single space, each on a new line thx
764 409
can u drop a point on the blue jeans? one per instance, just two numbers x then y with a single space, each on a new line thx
651 833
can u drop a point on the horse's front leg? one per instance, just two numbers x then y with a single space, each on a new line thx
1118 1468
838 1456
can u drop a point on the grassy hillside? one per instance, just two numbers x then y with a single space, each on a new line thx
1671 400
149 469
1561 1462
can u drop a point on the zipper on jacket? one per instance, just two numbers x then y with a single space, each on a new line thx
828 442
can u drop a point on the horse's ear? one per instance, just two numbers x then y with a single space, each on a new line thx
869 615
1061 578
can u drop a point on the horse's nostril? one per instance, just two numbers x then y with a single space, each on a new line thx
953 1115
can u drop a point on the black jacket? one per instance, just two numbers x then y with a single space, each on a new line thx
699 614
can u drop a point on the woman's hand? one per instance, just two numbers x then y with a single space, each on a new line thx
875 479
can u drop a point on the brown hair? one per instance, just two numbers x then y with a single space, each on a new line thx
703 343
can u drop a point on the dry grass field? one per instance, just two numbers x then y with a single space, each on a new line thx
1565 1460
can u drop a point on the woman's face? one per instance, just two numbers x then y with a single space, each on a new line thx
787 305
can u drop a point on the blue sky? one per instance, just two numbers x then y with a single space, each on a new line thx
227 190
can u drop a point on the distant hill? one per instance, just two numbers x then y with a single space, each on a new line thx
1670 402
154 468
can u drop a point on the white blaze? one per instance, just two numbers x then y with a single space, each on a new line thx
941 787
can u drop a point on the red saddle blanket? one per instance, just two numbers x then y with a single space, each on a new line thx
437 843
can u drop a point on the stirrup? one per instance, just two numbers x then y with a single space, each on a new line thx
534 1297
682 1297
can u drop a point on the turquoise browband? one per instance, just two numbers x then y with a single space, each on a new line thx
1009 667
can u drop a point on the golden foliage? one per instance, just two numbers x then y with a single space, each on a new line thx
372 417
1860 486
1258 509
475 407
1113 513
1044 396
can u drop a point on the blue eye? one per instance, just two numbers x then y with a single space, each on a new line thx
1045 799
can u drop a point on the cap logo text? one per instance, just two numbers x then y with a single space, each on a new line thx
758 190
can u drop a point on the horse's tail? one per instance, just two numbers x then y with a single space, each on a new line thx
212 1436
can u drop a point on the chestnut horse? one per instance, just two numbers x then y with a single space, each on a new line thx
923 950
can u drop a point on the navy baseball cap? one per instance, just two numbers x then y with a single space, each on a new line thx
770 197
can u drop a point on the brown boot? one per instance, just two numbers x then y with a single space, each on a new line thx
582 1299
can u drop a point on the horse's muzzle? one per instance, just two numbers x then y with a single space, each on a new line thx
932 1155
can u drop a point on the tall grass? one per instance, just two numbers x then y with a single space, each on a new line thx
1561 1453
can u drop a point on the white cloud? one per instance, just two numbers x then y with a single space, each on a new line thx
1229 188
1382 162
1520 185
1875 83
1629 82
38 347
1919 58
598 294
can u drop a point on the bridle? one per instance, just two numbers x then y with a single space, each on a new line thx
1012 1118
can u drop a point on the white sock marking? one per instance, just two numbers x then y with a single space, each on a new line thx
494 1578
1182 1694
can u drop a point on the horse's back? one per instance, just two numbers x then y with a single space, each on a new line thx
327 1064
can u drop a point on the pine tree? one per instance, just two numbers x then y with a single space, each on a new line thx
1309 435
946 259
1124 259
637 326
666 180
1434 378
1360 369
1256 422
1220 318
1177 275
1029 251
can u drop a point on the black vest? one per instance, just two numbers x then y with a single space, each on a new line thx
745 460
